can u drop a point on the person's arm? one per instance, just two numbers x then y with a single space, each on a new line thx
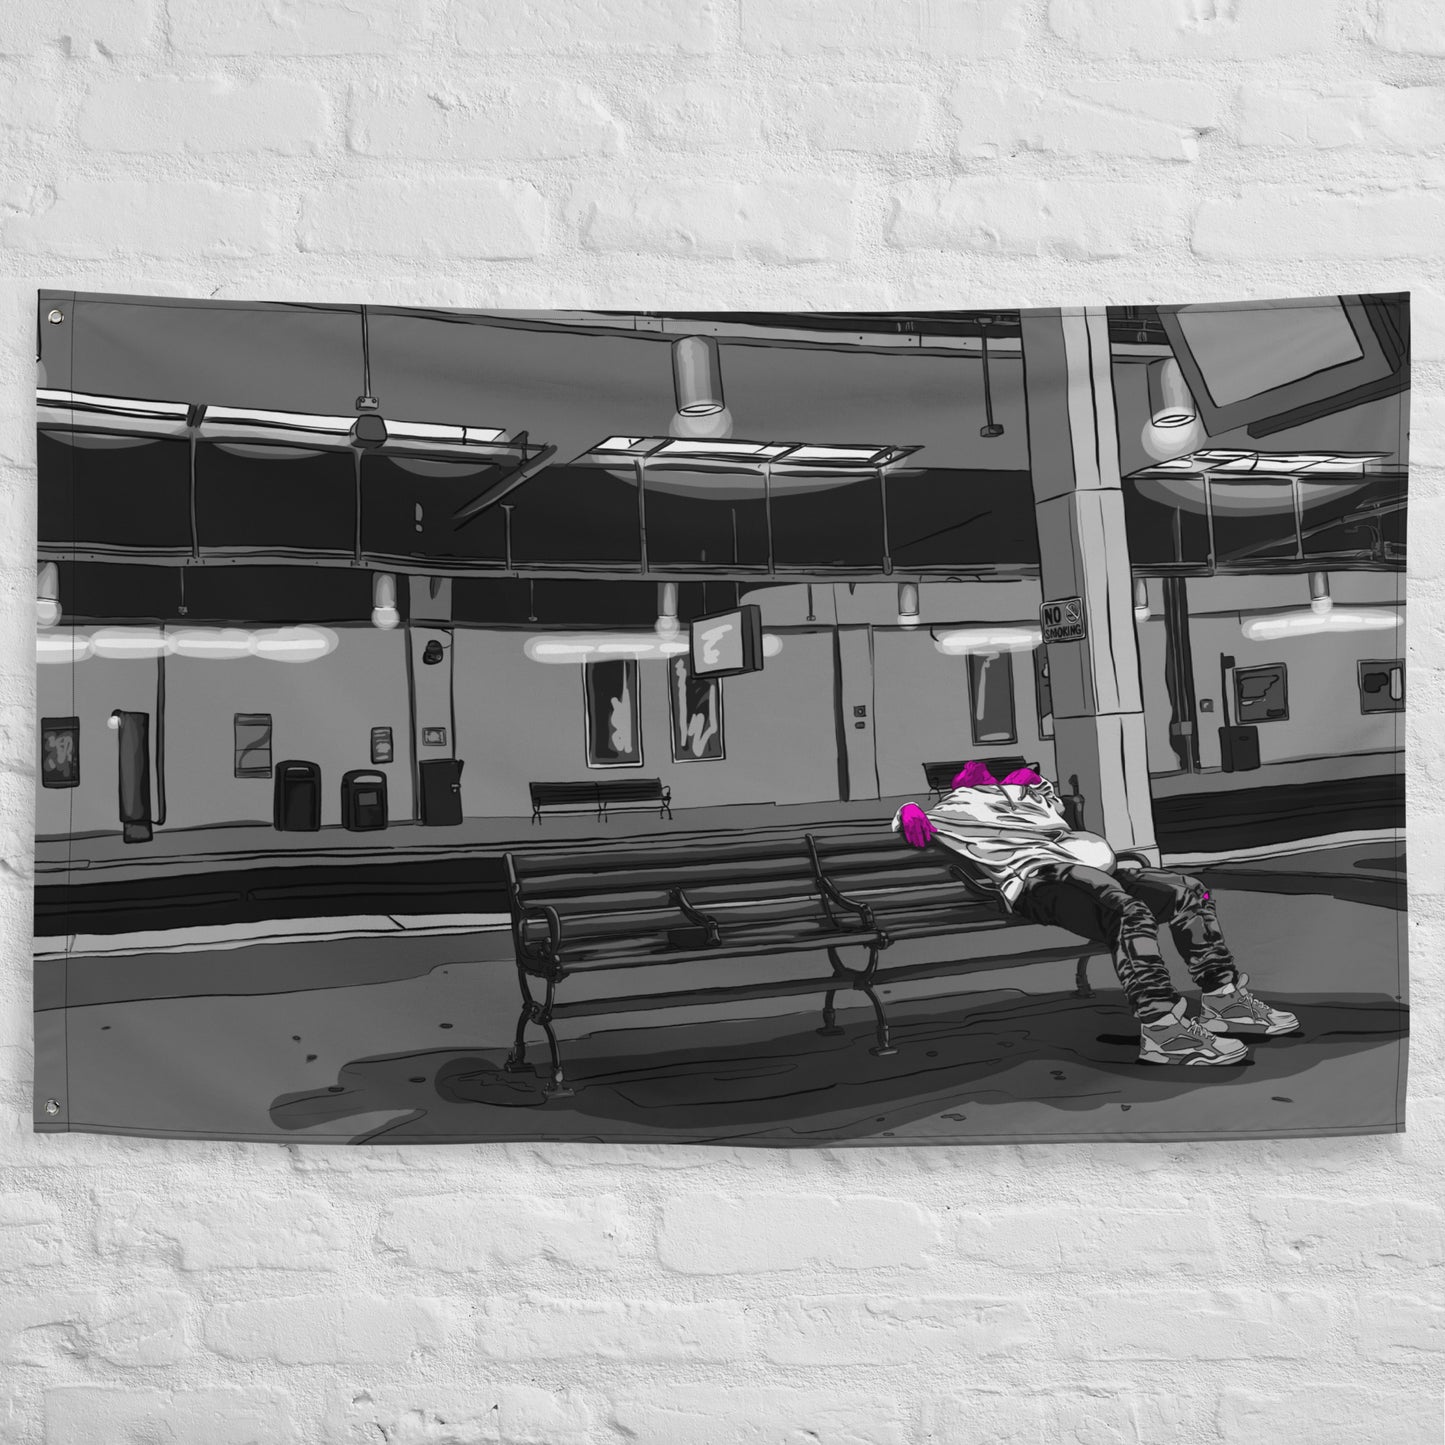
913 823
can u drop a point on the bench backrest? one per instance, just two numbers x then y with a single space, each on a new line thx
621 790
888 875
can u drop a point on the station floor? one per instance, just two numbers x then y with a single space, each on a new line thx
394 1030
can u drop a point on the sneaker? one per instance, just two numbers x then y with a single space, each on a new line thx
1175 1039
1237 1011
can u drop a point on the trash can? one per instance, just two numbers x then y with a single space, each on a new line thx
441 793
296 800
363 800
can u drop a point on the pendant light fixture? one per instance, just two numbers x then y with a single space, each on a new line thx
991 428
47 594
1170 401
697 388
908 610
369 429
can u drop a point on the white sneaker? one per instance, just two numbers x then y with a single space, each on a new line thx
1175 1039
1237 1011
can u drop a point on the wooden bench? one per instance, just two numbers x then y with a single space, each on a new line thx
941 775
600 794
575 913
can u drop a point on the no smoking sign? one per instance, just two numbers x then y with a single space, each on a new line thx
1063 621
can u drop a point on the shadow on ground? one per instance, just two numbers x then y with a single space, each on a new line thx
1000 1066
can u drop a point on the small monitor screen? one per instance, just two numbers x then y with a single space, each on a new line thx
1243 351
728 642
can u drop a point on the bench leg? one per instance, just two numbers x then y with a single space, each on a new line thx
884 1047
830 1029
1081 978
541 1015
862 980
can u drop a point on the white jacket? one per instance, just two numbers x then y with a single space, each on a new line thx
1007 830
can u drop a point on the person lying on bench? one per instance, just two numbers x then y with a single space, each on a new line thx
1016 839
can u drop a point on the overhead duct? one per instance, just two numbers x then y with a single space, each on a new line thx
697 386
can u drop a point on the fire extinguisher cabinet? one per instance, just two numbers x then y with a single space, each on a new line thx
363 800
297 797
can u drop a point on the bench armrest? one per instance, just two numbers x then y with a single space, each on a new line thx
542 950
711 937
841 900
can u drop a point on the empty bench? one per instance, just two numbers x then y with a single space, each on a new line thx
576 914
597 796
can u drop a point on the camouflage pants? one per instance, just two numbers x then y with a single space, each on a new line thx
1126 911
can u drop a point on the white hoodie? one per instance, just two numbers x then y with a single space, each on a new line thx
1007 830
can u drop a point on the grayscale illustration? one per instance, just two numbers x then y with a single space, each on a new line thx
749 728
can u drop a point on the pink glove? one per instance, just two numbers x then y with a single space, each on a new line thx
916 827
974 775
1023 776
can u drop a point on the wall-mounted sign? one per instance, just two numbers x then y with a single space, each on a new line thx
381 747
433 738
1063 621
59 752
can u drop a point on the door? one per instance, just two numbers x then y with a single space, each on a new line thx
858 762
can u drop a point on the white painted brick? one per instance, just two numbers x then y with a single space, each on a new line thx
754 1234
460 1232
1351 1233
1322 1413
1193 30
1305 222
538 1328
85 218
986 1417
465 219
330 1329
1073 1240
32 1233
28 103
225 1415
703 116
779 222
709 1415
298 27
847 1330
147 1327
875 118
1403 118
1155 119
1072 219
968 29
1399 1327
1176 1323
151 1327
118 27
486 26
287 117
238 1231
1413 26
537 121
471 1411
41 1327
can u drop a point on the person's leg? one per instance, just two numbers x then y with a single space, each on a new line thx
1185 905
1091 902
1226 1005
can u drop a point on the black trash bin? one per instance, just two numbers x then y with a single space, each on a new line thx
441 793
363 800
296 800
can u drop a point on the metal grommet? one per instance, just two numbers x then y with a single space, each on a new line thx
56 317
52 1106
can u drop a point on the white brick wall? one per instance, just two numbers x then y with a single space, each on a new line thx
844 153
